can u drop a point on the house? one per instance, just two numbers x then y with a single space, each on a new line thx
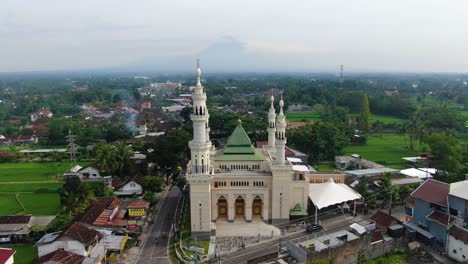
126 187
355 161
142 129
4 141
457 241
430 213
383 220
15 228
78 239
26 140
60 256
105 212
87 173
7 256
43 113
137 212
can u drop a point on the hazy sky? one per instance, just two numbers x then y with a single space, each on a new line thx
364 35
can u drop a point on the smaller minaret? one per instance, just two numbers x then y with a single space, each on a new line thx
281 135
271 123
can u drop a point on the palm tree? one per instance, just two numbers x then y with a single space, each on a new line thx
123 153
107 158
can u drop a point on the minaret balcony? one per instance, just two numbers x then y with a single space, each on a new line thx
198 118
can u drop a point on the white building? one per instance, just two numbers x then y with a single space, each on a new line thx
240 182
43 113
77 239
87 173
126 187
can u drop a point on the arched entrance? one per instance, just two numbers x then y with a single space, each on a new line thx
257 205
222 208
240 207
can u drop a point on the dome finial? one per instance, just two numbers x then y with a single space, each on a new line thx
198 73
281 103
239 122
272 98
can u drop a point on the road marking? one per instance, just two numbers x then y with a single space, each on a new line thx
151 229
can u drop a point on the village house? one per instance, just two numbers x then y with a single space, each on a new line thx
87 173
78 239
26 140
126 187
43 113
428 215
15 228
60 256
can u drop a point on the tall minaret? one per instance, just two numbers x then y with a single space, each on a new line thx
282 174
281 135
200 145
271 124
199 170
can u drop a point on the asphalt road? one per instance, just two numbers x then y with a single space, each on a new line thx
158 253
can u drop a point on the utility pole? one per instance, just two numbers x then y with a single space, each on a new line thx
71 145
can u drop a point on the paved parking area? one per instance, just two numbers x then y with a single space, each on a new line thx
244 229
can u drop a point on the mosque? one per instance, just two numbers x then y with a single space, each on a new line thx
241 183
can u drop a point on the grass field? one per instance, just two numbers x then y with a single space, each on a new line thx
302 116
388 150
40 203
29 187
384 119
9 205
25 253
312 116
32 171
34 203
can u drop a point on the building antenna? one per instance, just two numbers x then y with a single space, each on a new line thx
341 76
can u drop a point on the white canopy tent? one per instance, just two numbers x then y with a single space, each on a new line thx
421 173
331 193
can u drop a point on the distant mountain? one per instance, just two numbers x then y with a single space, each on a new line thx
226 55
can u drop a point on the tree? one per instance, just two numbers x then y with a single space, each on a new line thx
152 184
385 189
124 154
447 155
321 140
149 197
168 151
106 156
362 188
364 122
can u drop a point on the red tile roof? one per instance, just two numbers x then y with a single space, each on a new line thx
94 210
5 254
459 233
14 219
60 256
43 112
139 204
82 233
432 191
440 217
117 183
383 220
